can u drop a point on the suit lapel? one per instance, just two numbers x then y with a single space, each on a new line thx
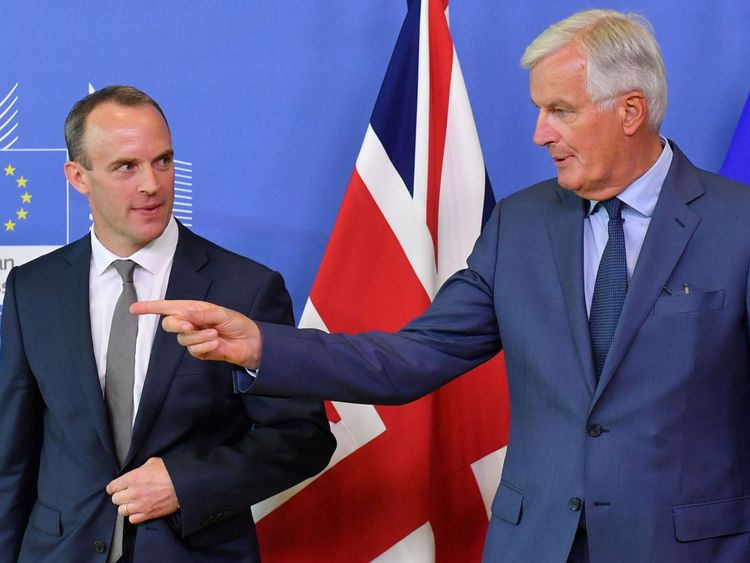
671 227
76 320
185 282
568 252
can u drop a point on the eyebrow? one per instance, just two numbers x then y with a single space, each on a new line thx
169 153
119 162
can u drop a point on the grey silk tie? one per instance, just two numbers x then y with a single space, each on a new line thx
118 381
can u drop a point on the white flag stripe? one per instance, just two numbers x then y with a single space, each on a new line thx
487 473
406 221
359 424
311 318
422 132
417 547
463 182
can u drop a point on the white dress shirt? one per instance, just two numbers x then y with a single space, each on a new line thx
151 276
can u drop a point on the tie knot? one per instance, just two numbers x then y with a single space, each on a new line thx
125 269
613 207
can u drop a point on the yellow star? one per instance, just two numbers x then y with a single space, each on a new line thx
26 198
9 170
22 182
10 225
22 213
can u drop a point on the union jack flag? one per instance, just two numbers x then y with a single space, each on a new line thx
409 483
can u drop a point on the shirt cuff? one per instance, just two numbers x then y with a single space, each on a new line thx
243 379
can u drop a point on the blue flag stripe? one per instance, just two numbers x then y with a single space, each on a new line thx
395 115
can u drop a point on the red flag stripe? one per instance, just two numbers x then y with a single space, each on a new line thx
359 289
441 63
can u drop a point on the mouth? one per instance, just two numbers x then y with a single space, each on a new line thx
561 160
150 210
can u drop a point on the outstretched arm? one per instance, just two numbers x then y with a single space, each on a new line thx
459 331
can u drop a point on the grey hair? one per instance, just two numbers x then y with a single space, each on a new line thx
75 123
621 52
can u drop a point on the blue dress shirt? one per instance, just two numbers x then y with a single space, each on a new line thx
640 200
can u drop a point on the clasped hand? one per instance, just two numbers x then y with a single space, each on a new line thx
144 493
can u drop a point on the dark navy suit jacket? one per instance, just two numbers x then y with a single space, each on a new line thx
659 450
223 451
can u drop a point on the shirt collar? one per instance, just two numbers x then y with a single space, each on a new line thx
152 257
642 195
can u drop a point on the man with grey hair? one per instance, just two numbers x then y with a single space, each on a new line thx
619 294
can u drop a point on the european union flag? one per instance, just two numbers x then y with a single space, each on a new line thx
737 162
33 197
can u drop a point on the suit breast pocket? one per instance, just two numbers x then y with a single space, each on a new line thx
696 301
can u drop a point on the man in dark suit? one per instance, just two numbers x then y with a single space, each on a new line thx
619 294
165 466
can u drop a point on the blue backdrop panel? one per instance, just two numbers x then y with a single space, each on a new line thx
268 102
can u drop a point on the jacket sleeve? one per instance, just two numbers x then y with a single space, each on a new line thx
20 430
289 441
459 331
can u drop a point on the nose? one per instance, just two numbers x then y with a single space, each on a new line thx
544 133
150 182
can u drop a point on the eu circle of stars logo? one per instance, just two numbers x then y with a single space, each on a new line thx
20 184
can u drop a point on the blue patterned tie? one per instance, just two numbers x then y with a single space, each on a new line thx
610 288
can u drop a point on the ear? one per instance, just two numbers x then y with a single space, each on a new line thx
76 175
633 112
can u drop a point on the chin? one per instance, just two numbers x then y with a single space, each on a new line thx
153 232
568 184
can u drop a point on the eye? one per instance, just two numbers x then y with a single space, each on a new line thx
562 113
125 167
165 161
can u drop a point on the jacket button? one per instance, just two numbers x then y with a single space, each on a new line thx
595 430
100 547
574 504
